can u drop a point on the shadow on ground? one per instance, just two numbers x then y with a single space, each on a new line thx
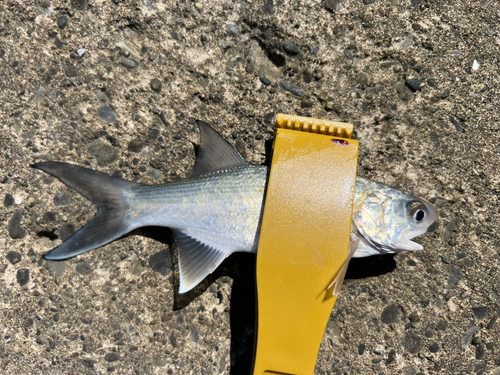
241 268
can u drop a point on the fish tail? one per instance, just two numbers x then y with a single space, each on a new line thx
108 192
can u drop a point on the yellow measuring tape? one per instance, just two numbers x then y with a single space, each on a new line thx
304 240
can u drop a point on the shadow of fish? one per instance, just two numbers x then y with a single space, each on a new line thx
217 211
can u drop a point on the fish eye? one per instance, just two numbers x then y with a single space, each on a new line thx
417 211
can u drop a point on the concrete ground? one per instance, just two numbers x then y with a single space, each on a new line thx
115 85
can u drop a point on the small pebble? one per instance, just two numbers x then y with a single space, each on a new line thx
14 226
62 22
112 357
135 145
107 114
480 312
14 257
390 314
8 200
199 6
129 63
83 268
265 81
361 349
291 88
156 85
413 84
445 259
31 201
23 276
434 348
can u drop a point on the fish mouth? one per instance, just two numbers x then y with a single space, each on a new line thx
406 245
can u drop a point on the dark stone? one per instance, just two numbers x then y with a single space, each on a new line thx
216 98
413 84
349 53
173 340
458 125
161 262
50 216
129 63
478 367
104 153
14 257
404 93
153 133
416 3
203 37
480 312
112 357
66 231
59 44
306 103
368 2
391 357
412 342
443 95
291 47
8 200
62 22
233 29
454 276
249 68
445 259
480 351
390 314
361 349
268 7
269 118
291 88
88 363
314 50
432 82
492 322
107 114
265 81
80 4
71 71
23 276
14 226
434 348
135 145
429 332
195 335
331 5
155 85
60 200
442 325
83 268
307 75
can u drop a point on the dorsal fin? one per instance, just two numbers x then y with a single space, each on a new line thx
214 153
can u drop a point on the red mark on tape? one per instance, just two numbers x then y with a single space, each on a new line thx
340 142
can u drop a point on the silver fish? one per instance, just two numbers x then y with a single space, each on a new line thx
217 211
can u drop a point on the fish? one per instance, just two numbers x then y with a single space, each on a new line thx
217 211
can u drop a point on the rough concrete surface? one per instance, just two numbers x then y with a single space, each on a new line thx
115 85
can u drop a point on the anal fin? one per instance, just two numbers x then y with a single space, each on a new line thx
197 260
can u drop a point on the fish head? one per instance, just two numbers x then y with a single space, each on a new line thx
387 219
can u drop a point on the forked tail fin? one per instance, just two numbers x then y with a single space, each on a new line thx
108 192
